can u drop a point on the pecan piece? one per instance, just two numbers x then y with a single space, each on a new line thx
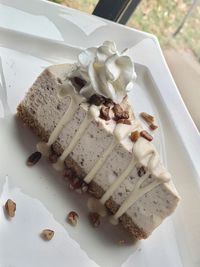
104 113
108 102
96 100
120 113
153 126
134 136
94 219
72 218
146 135
10 207
47 234
150 120
33 158
124 121
79 82
147 117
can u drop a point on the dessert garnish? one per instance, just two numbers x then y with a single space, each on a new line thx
10 207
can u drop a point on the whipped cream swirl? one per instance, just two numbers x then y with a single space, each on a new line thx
105 71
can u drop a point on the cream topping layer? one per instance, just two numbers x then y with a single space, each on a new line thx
106 72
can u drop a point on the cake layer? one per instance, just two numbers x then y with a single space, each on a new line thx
42 110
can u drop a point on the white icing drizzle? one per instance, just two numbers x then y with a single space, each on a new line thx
118 181
92 112
66 90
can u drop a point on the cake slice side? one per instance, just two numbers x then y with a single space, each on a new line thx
42 109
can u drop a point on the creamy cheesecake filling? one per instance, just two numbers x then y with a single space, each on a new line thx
102 62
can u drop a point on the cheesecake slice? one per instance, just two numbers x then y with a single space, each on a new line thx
99 140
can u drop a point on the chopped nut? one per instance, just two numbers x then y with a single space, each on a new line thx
141 171
120 113
79 81
47 234
124 121
10 207
53 158
33 158
153 126
148 118
94 218
104 113
134 136
96 100
146 135
118 110
72 218
108 102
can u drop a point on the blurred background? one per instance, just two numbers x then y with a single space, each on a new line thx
176 23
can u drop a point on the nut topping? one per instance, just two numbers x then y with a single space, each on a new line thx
150 120
94 219
108 102
96 100
124 121
146 135
33 158
134 136
10 207
47 234
72 218
153 126
117 109
79 81
104 113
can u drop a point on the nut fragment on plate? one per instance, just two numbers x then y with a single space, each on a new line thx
134 136
153 126
94 219
72 218
10 207
47 234
150 120
34 158
146 135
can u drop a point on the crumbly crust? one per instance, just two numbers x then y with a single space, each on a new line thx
94 189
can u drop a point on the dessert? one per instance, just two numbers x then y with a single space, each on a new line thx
81 113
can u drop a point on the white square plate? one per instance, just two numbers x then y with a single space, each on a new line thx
36 34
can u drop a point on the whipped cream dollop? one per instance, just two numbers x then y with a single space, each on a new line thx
105 71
